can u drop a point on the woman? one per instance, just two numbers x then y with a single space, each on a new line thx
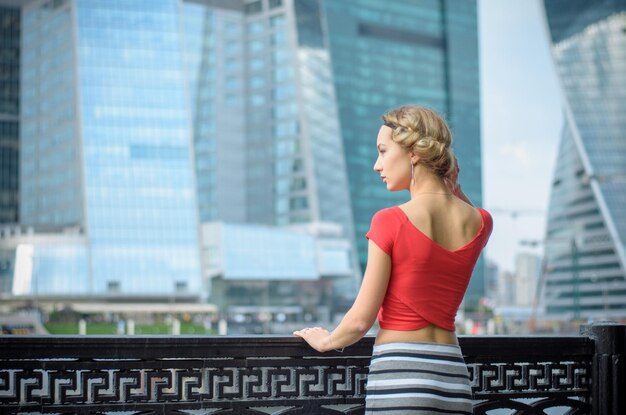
420 258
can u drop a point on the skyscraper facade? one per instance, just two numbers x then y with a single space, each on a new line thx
9 111
270 113
527 269
266 128
106 143
143 119
385 54
213 55
308 81
585 274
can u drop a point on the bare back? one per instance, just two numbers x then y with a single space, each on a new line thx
451 223
447 220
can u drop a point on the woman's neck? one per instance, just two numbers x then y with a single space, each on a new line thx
427 182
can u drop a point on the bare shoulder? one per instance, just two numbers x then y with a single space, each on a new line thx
428 212
417 212
468 212
427 208
449 222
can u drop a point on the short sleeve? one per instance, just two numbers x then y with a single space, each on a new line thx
382 230
488 224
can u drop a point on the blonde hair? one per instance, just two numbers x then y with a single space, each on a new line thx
424 133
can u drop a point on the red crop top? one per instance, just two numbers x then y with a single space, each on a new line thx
427 281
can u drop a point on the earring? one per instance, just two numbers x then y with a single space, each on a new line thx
412 177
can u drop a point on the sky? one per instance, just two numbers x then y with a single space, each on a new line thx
521 123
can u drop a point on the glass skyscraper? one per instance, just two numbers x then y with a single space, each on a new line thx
269 111
585 252
266 129
308 80
214 64
9 111
142 119
106 143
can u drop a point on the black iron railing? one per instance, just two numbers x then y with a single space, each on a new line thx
281 375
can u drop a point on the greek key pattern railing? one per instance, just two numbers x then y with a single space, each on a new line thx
553 385
179 385
227 375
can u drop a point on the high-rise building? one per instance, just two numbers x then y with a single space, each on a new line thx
106 146
586 232
213 55
266 130
506 288
9 110
137 115
301 85
267 137
527 270
491 280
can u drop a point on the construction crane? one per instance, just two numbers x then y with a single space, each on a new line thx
515 213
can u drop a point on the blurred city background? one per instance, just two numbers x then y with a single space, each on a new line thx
205 166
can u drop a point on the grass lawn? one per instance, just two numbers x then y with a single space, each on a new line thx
111 328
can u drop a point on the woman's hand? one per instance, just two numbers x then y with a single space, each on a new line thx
362 315
317 337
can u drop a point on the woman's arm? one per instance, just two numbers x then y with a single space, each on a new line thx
362 315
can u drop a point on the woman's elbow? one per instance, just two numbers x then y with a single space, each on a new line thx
361 325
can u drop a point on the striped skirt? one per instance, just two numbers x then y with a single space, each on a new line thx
418 378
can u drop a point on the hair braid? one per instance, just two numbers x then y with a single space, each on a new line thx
423 132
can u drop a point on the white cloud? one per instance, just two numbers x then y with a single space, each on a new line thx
518 151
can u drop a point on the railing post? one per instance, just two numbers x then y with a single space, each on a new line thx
609 367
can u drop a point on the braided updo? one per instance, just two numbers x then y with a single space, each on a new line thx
424 133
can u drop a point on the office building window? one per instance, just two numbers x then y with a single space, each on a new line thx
254 7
